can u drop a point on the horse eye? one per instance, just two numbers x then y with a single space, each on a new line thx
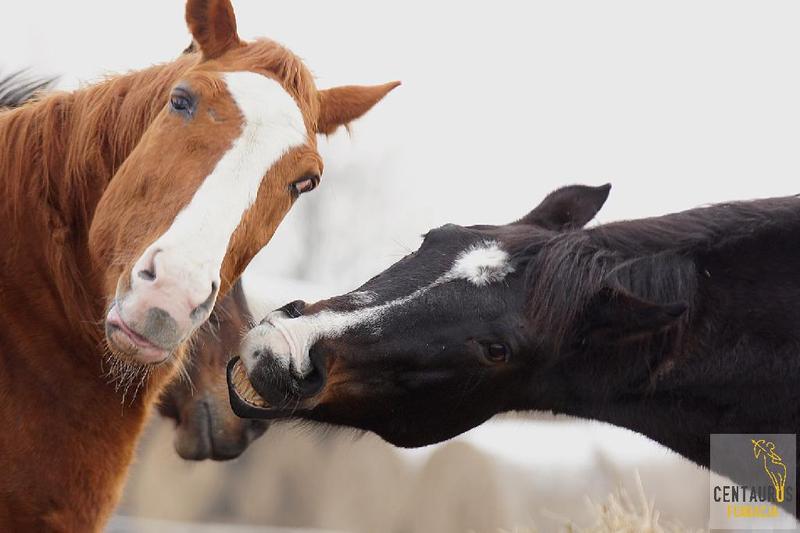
306 184
181 101
497 352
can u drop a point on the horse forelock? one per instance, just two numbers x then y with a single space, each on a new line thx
269 57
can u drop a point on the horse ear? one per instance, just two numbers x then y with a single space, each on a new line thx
568 207
213 26
615 316
341 105
192 48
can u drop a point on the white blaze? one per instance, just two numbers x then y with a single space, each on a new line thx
196 242
289 339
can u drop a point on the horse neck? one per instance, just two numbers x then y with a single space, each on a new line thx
729 370
60 154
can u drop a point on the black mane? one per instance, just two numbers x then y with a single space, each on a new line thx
656 259
18 88
712 227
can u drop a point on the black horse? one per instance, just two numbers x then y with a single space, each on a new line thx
675 327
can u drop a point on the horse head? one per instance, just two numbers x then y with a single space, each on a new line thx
206 185
476 322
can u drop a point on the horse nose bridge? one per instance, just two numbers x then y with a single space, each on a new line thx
181 268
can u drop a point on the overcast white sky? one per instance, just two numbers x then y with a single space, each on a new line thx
677 103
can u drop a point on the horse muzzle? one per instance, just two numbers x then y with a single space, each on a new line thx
124 337
272 391
162 305
208 430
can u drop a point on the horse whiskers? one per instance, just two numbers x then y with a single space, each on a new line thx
123 374
213 328
249 324
185 375
142 380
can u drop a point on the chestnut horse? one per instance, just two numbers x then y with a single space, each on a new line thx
205 426
127 208
675 327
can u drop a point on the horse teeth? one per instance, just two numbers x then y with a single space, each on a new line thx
244 388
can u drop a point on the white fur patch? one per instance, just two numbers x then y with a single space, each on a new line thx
289 340
482 264
196 242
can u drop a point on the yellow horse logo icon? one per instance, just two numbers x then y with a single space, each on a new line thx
774 468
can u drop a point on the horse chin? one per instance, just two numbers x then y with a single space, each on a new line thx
127 345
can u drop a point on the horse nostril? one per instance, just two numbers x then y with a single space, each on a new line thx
147 275
204 308
212 295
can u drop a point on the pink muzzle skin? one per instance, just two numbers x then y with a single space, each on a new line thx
165 304
127 341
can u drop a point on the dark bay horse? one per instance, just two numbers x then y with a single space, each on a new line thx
205 425
675 327
127 208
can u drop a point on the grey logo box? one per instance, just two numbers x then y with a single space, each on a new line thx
756 485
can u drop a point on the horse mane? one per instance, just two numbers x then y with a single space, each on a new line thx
61 150
654 259
267 55
18 88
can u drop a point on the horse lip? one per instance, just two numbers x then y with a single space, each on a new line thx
244 409
146 349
